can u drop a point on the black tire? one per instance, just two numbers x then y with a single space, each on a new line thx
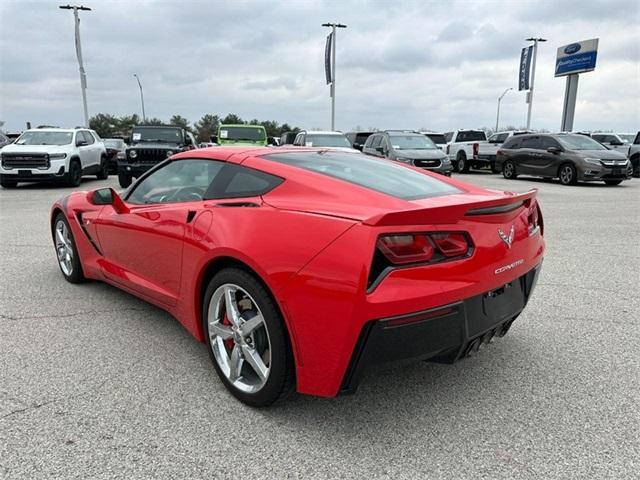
8 183
74 176
568 174
509 170
462 165
76 275
613 182
124 179
281 379
103 174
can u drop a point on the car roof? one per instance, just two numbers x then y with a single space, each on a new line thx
322 132
55 129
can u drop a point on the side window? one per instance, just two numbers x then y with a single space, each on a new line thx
236 181
448 136
88 137
531 142
299 141
548 142
177 181
377 140
512 143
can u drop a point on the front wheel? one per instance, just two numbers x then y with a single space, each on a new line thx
509 170
66 251
74 175
613 182
8 183
124 179
246 338
103 174
568 174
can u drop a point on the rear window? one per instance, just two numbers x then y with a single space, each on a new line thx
375 174
471 136
512 143
436 137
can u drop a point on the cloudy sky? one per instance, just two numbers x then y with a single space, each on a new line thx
433 64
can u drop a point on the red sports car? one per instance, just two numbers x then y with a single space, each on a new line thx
300 267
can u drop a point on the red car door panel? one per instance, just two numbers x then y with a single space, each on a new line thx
143 248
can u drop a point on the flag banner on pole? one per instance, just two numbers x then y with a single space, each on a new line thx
525 68
327 59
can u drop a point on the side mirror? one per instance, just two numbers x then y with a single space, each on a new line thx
107 196
380 150
358 146
553 150
80 143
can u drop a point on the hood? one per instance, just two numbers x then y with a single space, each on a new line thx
428 154
160 145
14 148
602 154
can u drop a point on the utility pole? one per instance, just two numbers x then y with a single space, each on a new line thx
533 75
144 117
83 75
498 114
333 70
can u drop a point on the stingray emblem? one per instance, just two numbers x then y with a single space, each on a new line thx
507 239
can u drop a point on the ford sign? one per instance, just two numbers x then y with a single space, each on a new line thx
571 49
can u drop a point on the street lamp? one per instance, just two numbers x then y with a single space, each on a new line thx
499 100
533 74
144 118
333 70
83 75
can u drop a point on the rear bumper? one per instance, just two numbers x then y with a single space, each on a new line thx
446 334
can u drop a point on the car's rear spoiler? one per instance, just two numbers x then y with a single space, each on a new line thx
455 211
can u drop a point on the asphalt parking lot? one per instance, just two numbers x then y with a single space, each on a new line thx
97 384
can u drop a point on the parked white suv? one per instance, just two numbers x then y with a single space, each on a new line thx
50 154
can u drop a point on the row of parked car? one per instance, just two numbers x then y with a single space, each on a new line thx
46 154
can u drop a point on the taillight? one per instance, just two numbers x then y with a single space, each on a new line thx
448 147
499 152
402 249
476 148
534 220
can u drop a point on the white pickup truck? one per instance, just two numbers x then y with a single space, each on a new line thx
469 148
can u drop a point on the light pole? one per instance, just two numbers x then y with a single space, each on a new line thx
83 75
144 117
499 100
533 74
333 69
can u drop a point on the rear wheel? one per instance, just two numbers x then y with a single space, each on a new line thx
103 174
613 182
66 251
74 175
462 166
246 338
124 179
509 170
568 174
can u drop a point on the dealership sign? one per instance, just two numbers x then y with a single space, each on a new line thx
577 57
525 68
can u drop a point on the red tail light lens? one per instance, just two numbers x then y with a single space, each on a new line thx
534 220
499 152
403 249
434 247
451 244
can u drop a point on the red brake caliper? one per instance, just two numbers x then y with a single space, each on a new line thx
228 343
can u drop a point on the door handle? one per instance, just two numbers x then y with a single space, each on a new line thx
190 215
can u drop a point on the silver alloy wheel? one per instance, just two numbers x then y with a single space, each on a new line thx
64 247
566 174
239 338
508 169
461 164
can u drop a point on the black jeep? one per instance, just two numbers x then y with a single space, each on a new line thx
150 145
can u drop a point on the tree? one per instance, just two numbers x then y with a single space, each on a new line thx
153 121
105 125
272 127
180 121
126 123
207 126
232 119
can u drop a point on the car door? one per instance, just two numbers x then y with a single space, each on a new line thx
142 247
529 155
548 162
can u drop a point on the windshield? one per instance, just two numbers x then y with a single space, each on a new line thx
383 176
45 138
253 134
110 143
168 135
498 138
626 137
579 142
436 137
411 142
316 140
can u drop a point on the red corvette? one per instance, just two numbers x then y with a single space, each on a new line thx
300 267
